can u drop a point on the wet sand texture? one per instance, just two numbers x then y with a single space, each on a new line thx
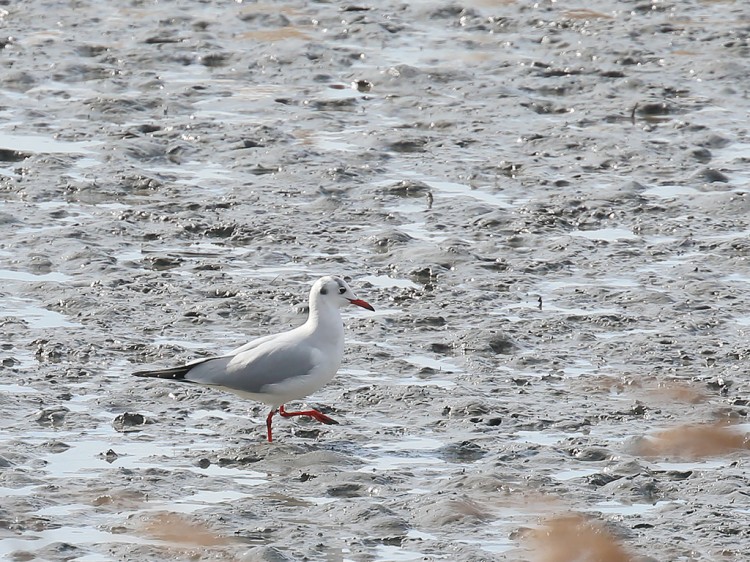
545 202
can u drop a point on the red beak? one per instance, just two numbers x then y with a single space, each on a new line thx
363 304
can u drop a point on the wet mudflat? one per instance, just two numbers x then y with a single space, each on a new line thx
547 204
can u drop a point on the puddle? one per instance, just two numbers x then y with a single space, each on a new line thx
334 141
442 192
79 535
23 491
386 462
408 443
450 190
572 473
33 315
313 500
441 366
625 334
195 250
577 280
543 437
692 465
203 173
85 457
364 376
17 389
12 275
551 306
385 282
424 381
580 367
58 510
420 231
387 553
736 277
495 546
201 500
617 508
433 363
671 191
420 535
40 144
406 451
606 234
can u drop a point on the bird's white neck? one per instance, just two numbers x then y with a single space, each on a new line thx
325 318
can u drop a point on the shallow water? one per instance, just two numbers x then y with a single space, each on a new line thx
546 205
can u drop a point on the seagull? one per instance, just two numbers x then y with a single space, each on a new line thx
279 368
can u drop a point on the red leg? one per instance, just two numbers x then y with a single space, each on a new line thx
321 417
268 423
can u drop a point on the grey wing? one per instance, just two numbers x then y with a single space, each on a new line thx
252 344
255 369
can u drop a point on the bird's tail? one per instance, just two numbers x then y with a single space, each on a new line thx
174 373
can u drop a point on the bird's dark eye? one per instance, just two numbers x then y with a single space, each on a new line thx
342 290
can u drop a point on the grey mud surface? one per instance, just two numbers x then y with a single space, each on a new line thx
174 175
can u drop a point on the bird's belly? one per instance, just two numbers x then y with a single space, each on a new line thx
297 388
294 388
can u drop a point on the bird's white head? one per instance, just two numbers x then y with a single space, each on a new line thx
334 291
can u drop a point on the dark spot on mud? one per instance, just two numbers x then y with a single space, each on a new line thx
465 451
407 188
127 422
713 176
598 480
591 454
7 155
407 146
238 460
110 456
53 416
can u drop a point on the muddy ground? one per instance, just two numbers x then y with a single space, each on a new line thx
547 203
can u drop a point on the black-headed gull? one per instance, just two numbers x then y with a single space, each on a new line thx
279 368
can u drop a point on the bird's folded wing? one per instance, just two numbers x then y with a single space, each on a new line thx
253 344
254 370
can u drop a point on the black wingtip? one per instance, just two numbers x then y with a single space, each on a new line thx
175 373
